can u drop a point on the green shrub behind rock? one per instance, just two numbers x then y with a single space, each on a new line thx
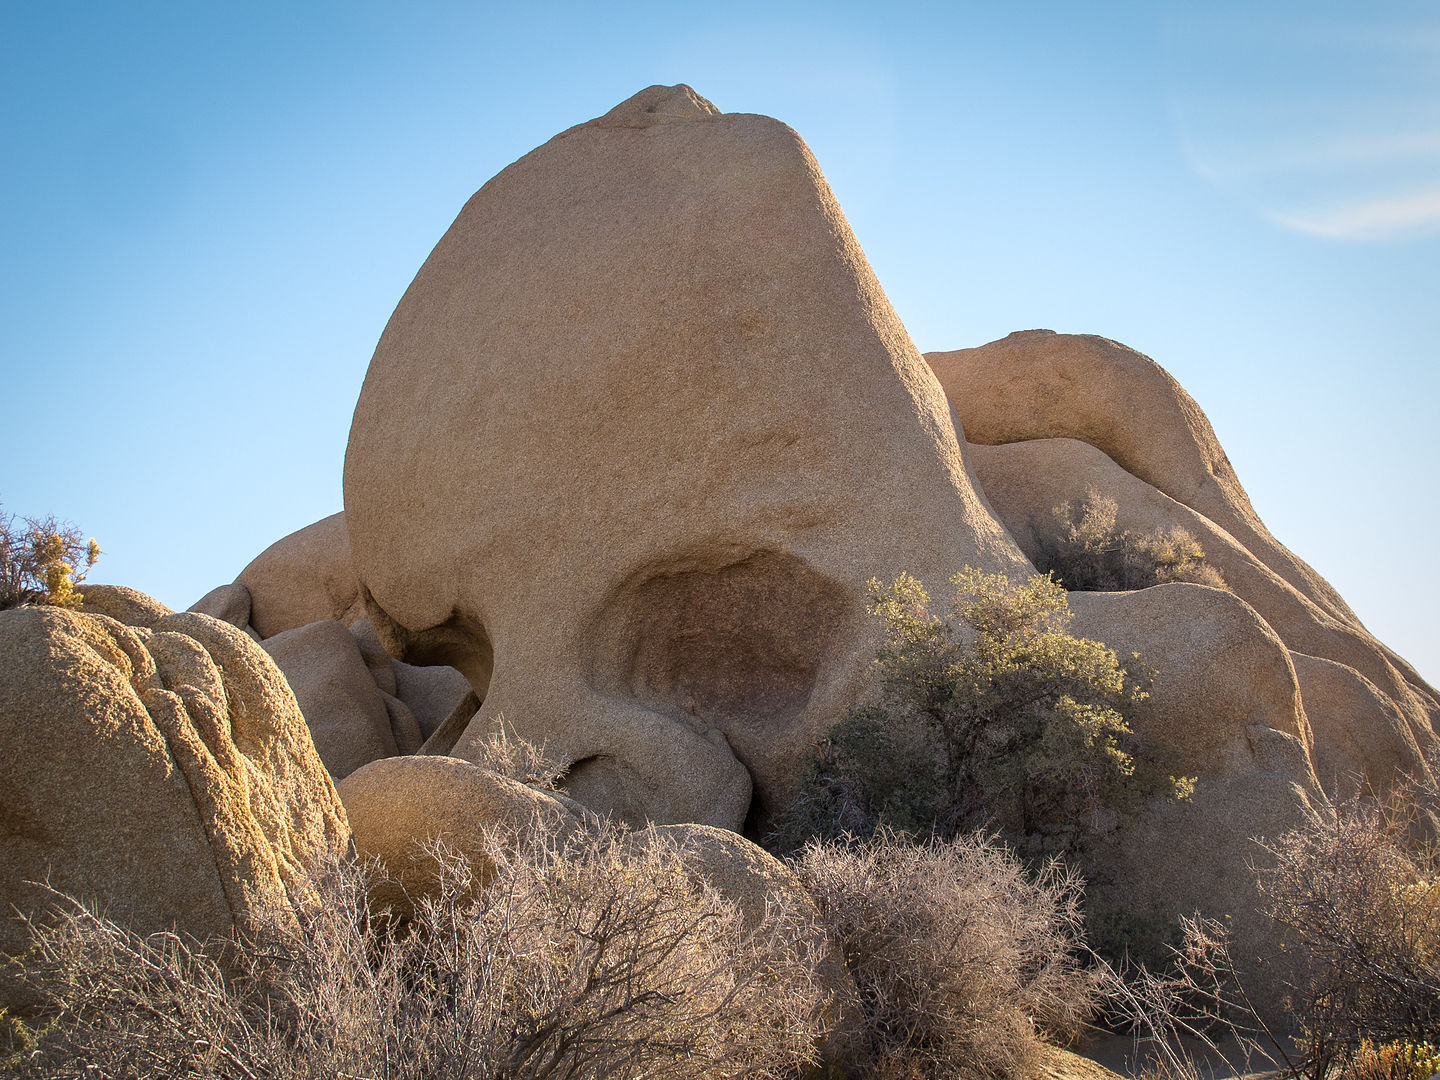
994 718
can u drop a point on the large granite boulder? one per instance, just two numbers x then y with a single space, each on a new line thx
165 773
629 448
1037 384
1224 708
1069 415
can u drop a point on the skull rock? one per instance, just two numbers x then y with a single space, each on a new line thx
629 448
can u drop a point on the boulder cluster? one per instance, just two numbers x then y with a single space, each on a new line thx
627 453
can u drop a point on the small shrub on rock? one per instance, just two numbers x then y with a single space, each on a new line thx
1092 553
42 560
504 752
962 960
995 718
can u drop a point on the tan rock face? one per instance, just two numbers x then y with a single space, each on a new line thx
122 603
303 578
228 603
1037 384
1025 481
1226 704
1362 739
165 772
399 805
343 708
630 446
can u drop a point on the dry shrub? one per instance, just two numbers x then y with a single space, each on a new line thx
1093 553
610 960
962 961
505 753
1394 1061
1194 1004
1358 889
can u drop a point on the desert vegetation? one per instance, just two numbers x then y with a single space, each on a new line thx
995 717
935 835
1358 889
42 560
602 957
1091 552
605 959
963 960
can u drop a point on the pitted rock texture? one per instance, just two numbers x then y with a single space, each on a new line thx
121 603
631 444
165 772
303 578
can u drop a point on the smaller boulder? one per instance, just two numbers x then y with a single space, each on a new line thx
398 806
343 708
432 693
1361 738
228 603
376 658
303 578
121 603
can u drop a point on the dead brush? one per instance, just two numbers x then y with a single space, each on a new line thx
962 960
605 960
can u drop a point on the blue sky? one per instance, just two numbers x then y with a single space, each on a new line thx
208 212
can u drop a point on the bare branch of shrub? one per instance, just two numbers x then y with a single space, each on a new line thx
504 752
961 959
1358 888
1196 1002
610 960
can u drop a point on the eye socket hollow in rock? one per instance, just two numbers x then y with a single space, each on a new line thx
735 642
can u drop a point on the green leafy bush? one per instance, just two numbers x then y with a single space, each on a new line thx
994 718
1092 553
41 561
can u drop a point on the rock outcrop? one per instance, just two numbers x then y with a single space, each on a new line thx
1224 708
1068 415
164 773
123 604
303 578
631 444
343 708
228 603
1037 384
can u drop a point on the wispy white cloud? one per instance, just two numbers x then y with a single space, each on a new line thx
1397 148
1325 123
1380 218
